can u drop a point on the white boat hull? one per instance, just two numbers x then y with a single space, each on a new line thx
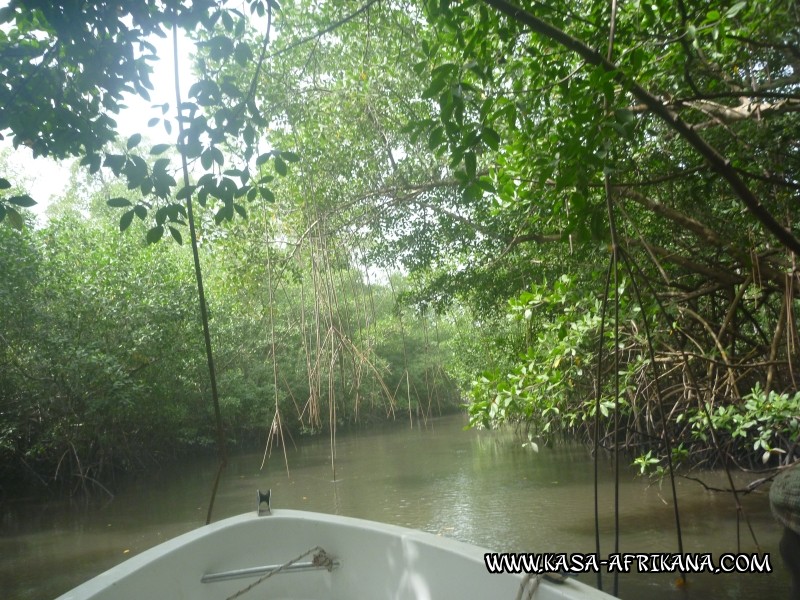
375 562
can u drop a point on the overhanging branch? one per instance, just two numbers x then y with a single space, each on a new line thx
718 162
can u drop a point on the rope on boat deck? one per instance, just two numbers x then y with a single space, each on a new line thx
536 580
321 559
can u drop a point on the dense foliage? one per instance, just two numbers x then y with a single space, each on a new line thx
682 128
102 363
602 226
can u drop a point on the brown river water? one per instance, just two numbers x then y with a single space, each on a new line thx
477 486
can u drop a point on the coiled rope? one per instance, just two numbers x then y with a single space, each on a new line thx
534 579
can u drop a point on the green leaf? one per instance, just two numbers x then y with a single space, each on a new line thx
458 109
24 200
470 164
136 171
624 116
153 122
436 138
486 184
207 159
224 214
280 166
118 202
290 157
155 234
444 69
125 220
436 86
266 194
735 9
134 140
176 235
243 54
161 215
4 184
140 211
14 218
185 192
115 162
491 138
227 21
473 192
159 148
456 156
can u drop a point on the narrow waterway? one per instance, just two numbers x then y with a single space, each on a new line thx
481 487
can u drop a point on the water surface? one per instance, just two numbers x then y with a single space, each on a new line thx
480 487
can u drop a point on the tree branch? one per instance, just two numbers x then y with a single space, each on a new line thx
327 29
705 233
731 114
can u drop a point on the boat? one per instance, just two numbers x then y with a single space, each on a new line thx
293 555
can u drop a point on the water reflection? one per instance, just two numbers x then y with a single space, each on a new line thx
481 487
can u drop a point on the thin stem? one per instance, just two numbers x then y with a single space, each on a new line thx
598 397
660 398
198 273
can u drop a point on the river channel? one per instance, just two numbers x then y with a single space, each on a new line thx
478 486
